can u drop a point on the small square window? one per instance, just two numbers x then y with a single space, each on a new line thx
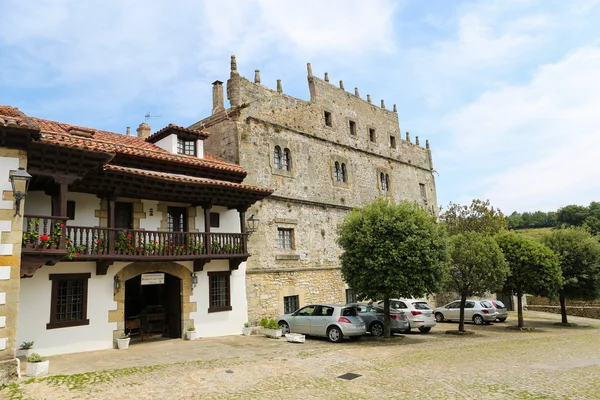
215 220
285 238
68 301
187 147
393 142
352 126
372 134
219 291
422 190
290 304
328 120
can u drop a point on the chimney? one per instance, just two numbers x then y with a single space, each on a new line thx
218 100
143 130
128 131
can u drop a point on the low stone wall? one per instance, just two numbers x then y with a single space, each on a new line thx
588 312
543 301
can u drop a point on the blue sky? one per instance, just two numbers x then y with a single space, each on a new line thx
507 92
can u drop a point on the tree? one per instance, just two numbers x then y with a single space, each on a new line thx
534 268
476 267
515 221
572 215
480 216
579 258
391 250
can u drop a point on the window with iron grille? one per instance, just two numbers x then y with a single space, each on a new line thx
68 302
219 291
290 304
186 147
285 238
350 298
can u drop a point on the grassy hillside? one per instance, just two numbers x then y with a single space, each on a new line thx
534 233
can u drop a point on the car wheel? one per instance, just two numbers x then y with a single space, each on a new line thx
501 319
334 334
285 328
424 329
407 330
478 320
439 317
376 329
355 338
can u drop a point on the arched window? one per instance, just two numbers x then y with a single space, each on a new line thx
286 160
337 171
384 181
277 157
344 173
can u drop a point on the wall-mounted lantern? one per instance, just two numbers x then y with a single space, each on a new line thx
194 280
252 224
20 175
117 283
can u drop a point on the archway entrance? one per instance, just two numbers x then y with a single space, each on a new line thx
153 305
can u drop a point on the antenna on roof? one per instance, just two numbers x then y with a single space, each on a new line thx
148 116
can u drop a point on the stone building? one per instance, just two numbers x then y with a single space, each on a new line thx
322 157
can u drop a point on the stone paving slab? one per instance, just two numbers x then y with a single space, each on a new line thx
494 363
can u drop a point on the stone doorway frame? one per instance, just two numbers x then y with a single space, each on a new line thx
139 267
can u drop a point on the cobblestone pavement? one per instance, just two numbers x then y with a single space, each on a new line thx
550 362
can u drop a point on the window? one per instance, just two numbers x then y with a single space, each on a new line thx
344 174
372 134
393 142
219 291
327 116
350 298
285 238
384 180
352 126
290 304
215 220
177 219
68 302
422 190
323 311
187 147
306 311
282 159
71 209
340 172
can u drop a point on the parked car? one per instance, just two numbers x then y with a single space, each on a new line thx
331 321
418 313
501 310
478 311
374 317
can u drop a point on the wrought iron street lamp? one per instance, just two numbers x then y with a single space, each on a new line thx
16 177
252 224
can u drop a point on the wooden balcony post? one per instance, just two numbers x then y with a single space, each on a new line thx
111 224
242 212
206 208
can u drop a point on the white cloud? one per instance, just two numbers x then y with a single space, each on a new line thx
542 136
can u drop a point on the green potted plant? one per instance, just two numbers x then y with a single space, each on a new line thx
270 328
190 332
123 341
36 366
23 350
247 329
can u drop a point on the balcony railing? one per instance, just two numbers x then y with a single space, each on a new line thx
111 243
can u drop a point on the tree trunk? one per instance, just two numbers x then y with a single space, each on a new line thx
461 323
520 322
563 308
387 326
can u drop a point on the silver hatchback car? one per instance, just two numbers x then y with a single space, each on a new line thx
331 321
374 319
478 311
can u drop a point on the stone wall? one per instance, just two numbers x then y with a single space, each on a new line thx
11 229
588 312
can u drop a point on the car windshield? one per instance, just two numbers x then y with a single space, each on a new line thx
486 304
349 312
421 306
499 304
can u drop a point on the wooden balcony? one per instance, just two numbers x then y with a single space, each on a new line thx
49 239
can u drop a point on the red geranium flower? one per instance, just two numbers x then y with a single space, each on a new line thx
129 244
43 238
129 236
62 225
77 254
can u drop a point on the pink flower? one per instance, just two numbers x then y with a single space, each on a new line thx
62 225
77 254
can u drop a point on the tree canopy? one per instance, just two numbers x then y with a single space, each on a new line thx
477 266
527 220
534 268
391 250
480 217
579 258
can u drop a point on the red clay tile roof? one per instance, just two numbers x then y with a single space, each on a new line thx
185 178
174 129
58 133
15 118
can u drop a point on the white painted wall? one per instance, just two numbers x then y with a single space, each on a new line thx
200 148
224 322
230 220
168 143
38 203
34 312
151 223
85 206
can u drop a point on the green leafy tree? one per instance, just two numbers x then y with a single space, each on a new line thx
579 257
515 221
477 266
534 268
480 217
572 215
391 250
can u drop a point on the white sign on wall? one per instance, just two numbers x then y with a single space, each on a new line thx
153 279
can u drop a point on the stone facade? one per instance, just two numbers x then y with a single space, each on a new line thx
309 199
11 231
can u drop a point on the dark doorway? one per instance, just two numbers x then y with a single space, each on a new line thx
507 299
155 307
177 219
123 215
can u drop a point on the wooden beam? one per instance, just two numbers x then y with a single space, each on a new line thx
102 266
199 264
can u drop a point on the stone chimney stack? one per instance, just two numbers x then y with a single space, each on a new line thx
128 131
143 130
218 99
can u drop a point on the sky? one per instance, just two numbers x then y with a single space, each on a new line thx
506 92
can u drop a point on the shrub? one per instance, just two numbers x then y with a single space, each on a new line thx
26 345
34 358
269 323
191 328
